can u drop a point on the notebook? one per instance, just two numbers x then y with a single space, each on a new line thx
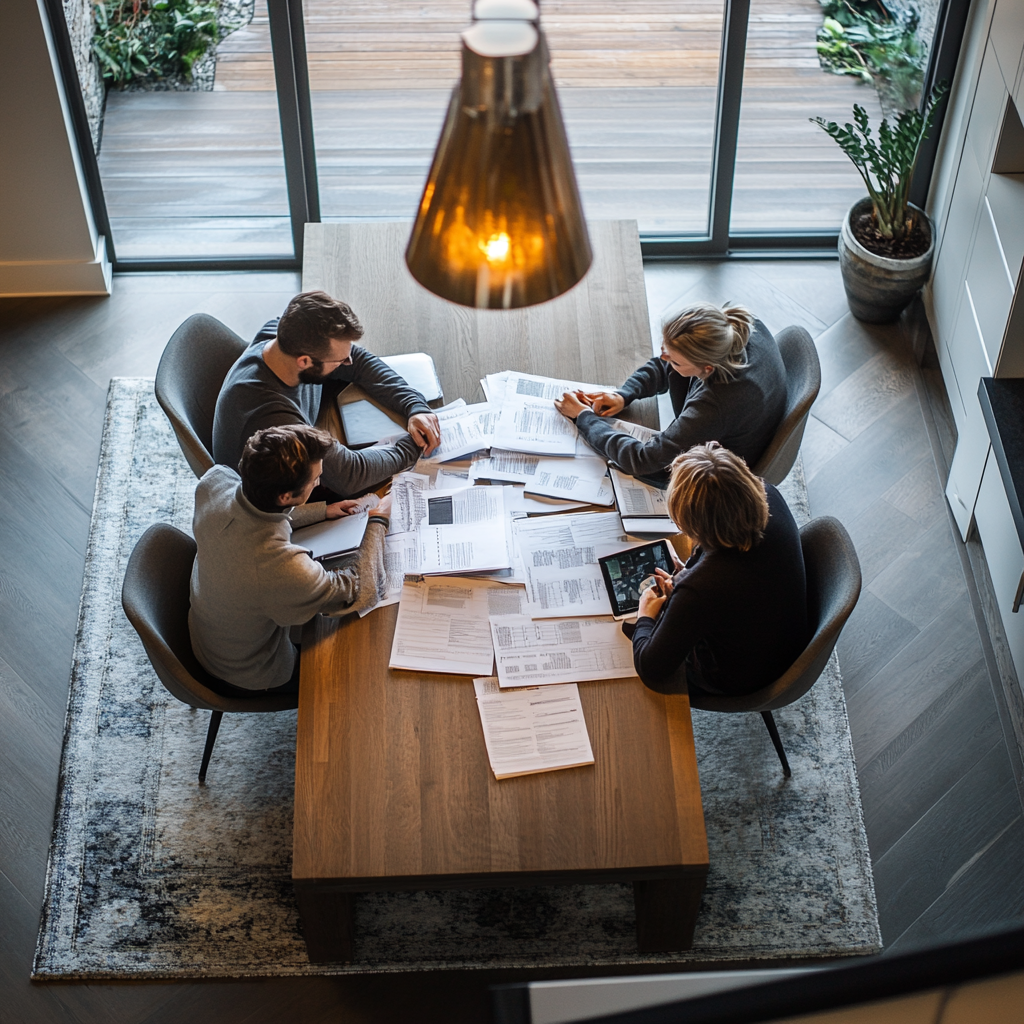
333 537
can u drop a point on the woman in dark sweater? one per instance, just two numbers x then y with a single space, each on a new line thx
724 372
734 618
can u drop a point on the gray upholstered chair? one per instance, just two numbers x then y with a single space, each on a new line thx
188 379
155 597
803 380
833 587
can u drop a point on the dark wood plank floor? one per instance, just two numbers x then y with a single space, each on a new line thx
942 806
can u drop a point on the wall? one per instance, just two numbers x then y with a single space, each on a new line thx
48 241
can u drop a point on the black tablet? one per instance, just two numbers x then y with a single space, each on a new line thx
625 571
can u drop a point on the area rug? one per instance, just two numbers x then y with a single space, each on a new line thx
152 875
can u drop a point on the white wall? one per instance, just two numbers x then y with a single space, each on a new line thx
48 241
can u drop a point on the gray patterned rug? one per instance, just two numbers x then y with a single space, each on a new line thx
152 875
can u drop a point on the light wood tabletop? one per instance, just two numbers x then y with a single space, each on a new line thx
393 788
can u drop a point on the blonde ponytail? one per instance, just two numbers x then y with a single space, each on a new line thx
706 335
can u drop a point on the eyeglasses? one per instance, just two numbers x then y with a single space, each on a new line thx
321 363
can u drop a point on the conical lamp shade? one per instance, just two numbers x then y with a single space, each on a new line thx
500 224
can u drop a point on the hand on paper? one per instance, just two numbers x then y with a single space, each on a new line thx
425 431
345 508
571 404
652 599
605 403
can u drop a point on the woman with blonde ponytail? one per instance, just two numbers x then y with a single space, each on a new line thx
724 372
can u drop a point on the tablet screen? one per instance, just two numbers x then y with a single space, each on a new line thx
625 571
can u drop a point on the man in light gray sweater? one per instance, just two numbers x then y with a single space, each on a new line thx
250 583
300 362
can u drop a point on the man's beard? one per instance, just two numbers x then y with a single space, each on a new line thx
312 375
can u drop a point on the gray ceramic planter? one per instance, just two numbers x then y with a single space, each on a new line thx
878 288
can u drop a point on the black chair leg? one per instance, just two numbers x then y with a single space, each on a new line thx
211 738
774 733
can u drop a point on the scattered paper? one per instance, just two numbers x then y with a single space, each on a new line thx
579 479
461 432
401 558
408 501
559 557
533 729
636 498
530 653
464 531
443 624
536 426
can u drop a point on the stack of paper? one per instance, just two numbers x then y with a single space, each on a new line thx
532 730
532 653
559 556
443 624
644 509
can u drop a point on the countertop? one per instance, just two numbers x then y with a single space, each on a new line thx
1002 403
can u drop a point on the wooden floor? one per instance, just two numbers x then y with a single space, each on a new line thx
203 173
941 802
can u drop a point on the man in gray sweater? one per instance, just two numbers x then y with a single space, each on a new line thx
302 360
250 583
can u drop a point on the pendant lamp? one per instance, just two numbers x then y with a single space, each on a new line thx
500 224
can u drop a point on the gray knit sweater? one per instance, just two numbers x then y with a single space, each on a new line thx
250 583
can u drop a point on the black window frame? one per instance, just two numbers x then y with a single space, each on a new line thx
287 34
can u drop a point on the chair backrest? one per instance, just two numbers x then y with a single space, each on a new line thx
803 381
155 597
833 588
188 379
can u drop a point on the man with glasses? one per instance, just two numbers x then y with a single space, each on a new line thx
292 373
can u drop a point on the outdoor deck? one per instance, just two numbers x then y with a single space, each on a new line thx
202 173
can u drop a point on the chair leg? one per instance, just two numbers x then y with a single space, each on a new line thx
774 733
211 738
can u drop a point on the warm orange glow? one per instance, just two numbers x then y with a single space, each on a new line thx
496 248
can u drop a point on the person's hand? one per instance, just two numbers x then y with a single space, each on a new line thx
571 404
651 601
605 403
345 508
425 431
665 581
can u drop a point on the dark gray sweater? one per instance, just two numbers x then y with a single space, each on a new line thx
741 414
250 583
253 397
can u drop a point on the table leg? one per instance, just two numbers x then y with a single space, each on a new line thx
326 923
666 913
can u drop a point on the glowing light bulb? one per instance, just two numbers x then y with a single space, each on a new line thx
496 248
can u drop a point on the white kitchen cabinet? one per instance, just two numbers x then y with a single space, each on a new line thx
991 288
1004 555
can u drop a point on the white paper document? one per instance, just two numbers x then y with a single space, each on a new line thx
401 556
559 557
534 425
464 531
531 653
535 729
443 624
461 432
408 501
635 498
579 479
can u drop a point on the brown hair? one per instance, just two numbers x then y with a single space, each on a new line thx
709 336
715 499
279 460
311 320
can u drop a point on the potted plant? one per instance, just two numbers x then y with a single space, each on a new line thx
886 244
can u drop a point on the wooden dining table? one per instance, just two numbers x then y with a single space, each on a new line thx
393 788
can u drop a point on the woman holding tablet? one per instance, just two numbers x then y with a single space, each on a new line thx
724 372
734 618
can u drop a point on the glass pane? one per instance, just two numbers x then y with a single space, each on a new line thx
637 88
192 166
790 176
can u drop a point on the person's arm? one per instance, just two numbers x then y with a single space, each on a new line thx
698 423
351 474
660 645
310 514
382 384
368 571
649 380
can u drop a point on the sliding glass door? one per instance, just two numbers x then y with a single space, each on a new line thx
689 117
